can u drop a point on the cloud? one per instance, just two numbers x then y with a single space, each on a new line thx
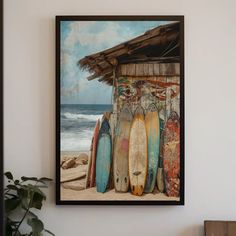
69 69
81 38
65 57
70 91
104 37
75 28
88 35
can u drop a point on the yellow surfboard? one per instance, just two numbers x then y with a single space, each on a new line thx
138 157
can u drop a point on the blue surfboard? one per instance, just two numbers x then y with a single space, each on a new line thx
103 158
153 134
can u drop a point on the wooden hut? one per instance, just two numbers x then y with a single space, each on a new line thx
143 70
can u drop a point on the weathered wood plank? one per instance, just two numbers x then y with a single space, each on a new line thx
232 228
219 228
139 70
163 68
150 69
156 69
130 69
177 68
167 69
123 69
145 69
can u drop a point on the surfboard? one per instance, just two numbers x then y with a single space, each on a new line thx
121 150
153 135
88 169
160 176
138 153
160 171
171 155
103 157
93 154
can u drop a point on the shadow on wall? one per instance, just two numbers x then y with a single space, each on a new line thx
194 230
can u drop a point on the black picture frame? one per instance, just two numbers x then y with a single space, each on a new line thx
1 123
180 19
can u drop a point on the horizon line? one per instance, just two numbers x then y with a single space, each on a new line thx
85 104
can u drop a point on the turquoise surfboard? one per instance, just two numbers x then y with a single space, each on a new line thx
153 134
103 158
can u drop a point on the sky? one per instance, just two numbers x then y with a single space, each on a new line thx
82 38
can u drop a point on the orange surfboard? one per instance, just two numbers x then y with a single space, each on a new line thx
121 150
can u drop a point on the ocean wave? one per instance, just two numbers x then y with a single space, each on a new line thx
80 141
73 116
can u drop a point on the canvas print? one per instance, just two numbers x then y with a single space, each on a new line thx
120 110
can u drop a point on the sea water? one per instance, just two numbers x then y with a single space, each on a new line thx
77 124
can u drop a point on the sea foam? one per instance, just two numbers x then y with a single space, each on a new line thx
72 116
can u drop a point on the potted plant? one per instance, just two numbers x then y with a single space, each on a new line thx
21 198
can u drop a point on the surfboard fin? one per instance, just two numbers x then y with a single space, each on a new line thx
136 173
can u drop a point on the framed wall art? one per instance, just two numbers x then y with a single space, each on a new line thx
120 110
1 123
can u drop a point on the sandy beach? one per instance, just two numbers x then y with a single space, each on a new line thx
92 194
73 187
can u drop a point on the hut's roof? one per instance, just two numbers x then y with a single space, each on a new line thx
158 45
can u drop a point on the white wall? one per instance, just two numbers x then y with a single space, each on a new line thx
210 53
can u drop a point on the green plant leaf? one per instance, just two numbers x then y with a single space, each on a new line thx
45 179
36 225
10 195
14 223
22 192
9 175
12 187
11 204
36 189
8 229
24 178
22 195
49 232
37 201
25 203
